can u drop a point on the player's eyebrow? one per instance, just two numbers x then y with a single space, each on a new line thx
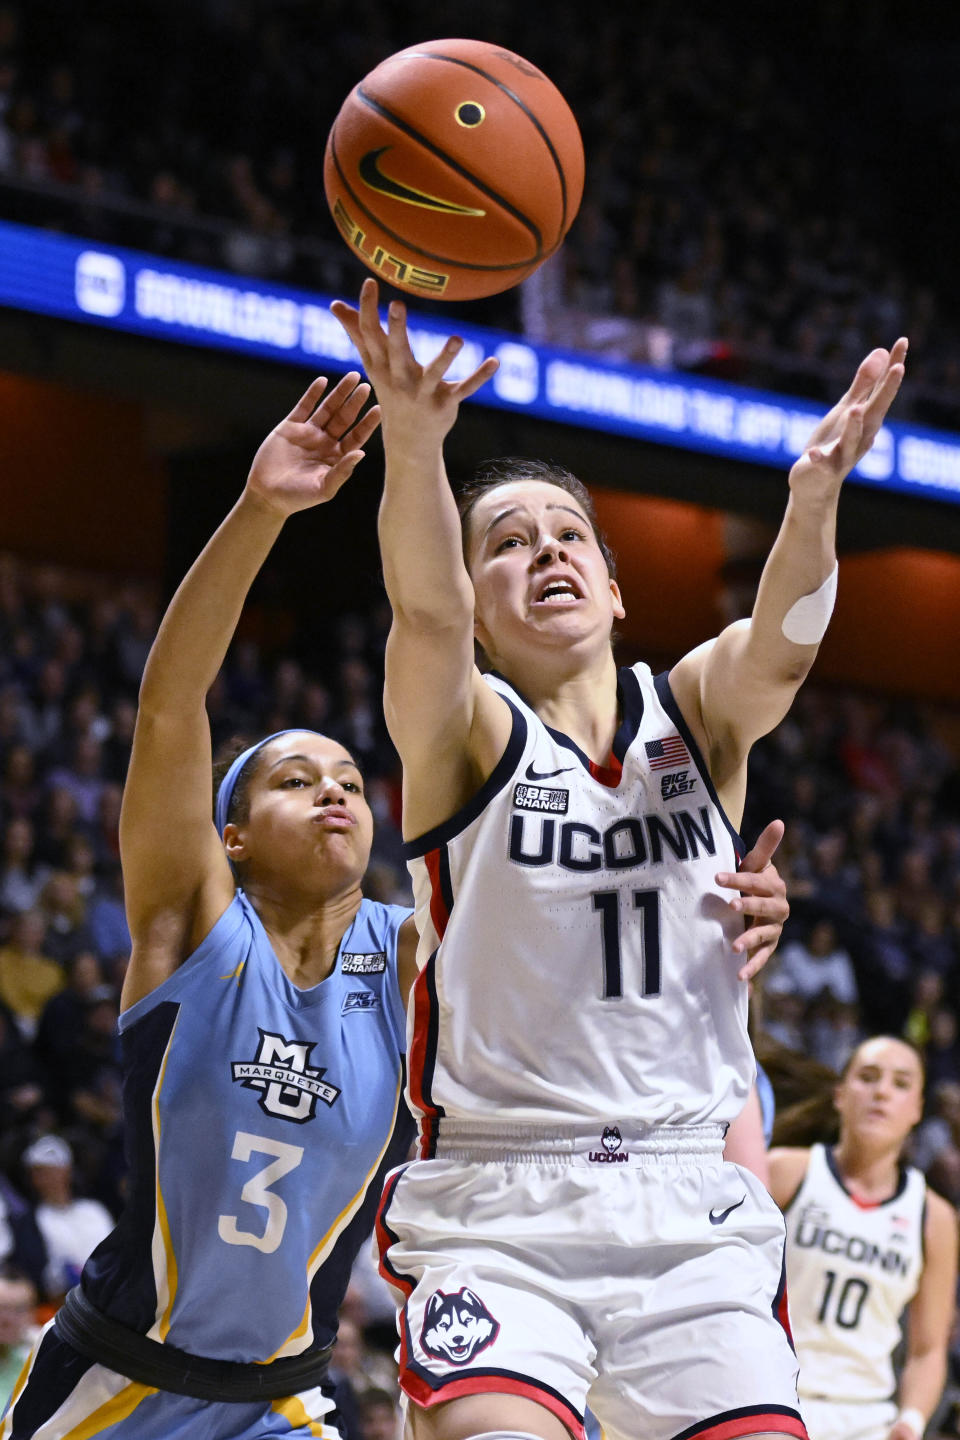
512 510
309 760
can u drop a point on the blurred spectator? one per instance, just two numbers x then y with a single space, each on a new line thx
88 1077
379 1415
28 977
109 930
82 777
18 1328
63 1017
21 877
22 1078
64 911
71 1228
810 968
21 1244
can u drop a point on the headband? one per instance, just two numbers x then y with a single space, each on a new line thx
229 782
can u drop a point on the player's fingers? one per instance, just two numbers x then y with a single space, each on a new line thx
400 354
340 473
335 409
371 331
757 960
361 432
480 376
850 447
870 370
441 362
763 850
309 400
882 398
336 415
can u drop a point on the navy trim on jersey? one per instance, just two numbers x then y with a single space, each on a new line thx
495 781
903 1175
56 1373
668 701
630 697
118 1277
330 1282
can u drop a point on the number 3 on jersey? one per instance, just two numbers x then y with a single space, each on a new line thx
609 905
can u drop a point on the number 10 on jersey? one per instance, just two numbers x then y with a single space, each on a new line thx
644 912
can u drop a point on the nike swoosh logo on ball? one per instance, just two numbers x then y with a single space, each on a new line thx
372 176
532 774
719 1219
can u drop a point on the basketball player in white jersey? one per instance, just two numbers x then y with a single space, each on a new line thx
579 1037
866 1241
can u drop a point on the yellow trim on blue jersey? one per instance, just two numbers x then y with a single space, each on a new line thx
120 1407
329 1240
294 1412
235 974
22 1379
162 1326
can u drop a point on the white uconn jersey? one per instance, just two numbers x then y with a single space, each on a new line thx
852 1269
574 946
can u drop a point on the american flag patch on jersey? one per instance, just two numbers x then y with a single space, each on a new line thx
667 753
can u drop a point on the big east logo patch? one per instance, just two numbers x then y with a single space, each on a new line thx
457 1327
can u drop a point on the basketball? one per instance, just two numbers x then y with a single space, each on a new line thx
454 169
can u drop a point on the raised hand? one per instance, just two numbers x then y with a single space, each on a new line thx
418 406
847 432
762 901
308 456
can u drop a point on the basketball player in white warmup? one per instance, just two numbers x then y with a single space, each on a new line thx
867 1240
579 1036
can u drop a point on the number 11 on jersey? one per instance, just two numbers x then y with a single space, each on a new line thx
647 902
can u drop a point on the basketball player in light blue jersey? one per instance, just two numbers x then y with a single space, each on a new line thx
262 1033
569 1232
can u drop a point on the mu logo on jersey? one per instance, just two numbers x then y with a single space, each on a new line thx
457 1327
289 1086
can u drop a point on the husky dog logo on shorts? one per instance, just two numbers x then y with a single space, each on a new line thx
611 1139
457 1327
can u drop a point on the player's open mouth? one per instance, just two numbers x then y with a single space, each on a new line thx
557 592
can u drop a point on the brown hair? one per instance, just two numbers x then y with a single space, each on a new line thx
504 471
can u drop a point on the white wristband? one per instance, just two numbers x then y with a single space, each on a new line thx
915 1419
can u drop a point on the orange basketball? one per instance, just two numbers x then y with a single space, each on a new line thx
454 169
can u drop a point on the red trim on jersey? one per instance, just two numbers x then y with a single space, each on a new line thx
757 1423
439 913
609 774
423 1394
418 1046
385 1240
783 1315
864 1204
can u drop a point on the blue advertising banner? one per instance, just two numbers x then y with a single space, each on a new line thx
125 290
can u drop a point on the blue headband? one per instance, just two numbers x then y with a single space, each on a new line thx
229 782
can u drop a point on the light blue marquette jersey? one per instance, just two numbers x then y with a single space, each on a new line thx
260 1122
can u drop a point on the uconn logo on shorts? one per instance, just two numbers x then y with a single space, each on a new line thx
290 1087
457 1327
611 1154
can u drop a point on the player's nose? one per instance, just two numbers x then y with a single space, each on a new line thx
548 549
330 791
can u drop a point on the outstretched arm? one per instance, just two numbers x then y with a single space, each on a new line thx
449 728
739 686
177 881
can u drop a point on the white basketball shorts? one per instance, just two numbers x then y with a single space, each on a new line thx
634 1272
848 1420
